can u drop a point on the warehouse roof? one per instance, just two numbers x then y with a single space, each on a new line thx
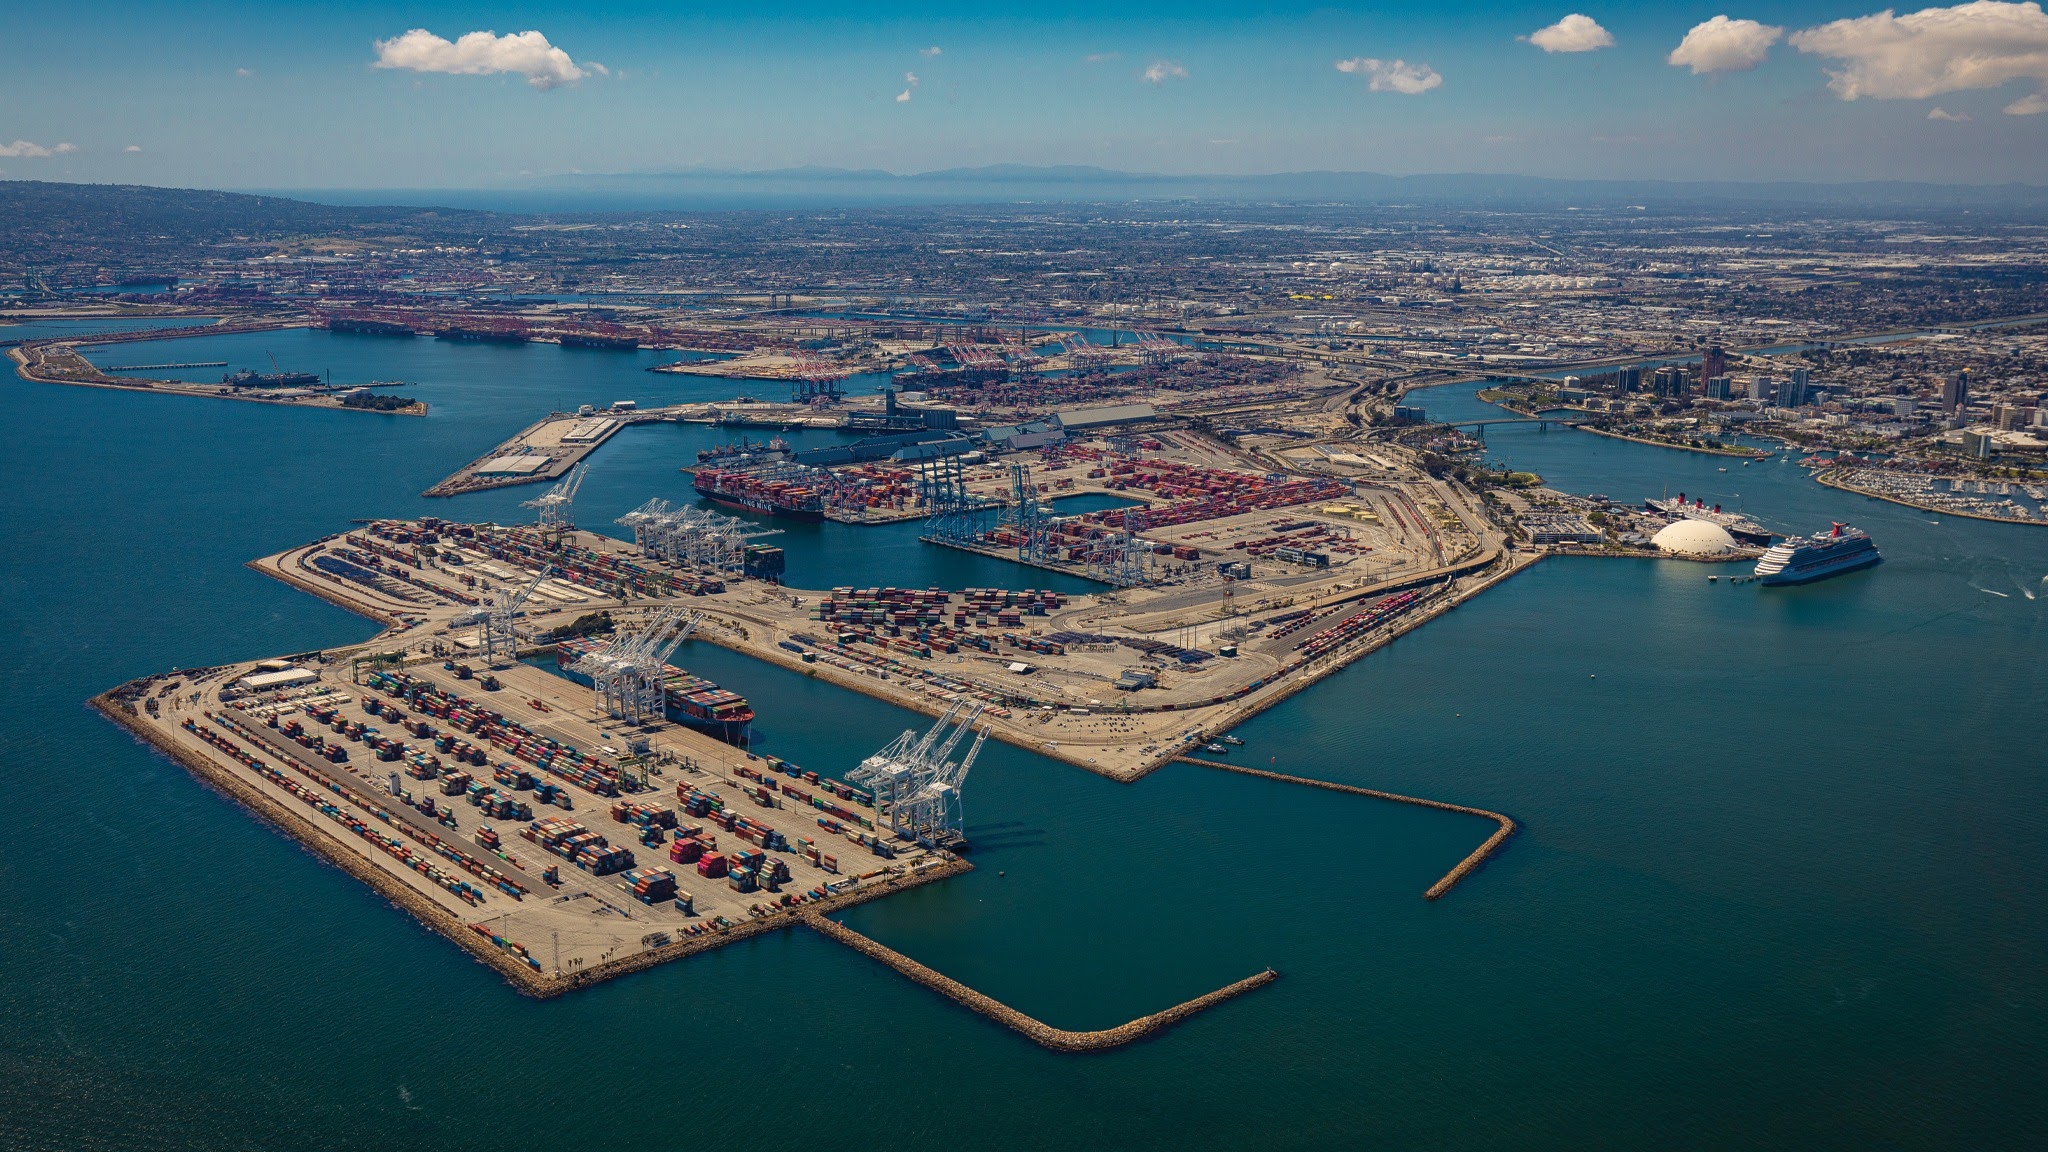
1109 414
512 465
265 681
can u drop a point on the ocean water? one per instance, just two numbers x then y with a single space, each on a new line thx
1779 881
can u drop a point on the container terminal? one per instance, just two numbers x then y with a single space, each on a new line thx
523 763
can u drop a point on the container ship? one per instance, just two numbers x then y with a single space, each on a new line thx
1745 530
757 490
692 700
369 326
505 334
619 342
1817 557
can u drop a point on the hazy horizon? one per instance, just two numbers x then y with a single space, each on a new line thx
238 95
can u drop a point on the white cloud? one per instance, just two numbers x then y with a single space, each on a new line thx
30 150
132 148
909 86
1393 75
1982 44
1101 57
525 54
1724 45
903 97
245 73
1948 116
934 50
1160 71
1574 33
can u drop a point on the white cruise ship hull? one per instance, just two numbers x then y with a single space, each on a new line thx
1821 570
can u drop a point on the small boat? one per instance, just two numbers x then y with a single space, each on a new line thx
1720 469
1214 747
1231 740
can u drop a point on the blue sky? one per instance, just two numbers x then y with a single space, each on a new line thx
275 96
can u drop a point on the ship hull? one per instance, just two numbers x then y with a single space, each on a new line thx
730 728
808 515
1823 571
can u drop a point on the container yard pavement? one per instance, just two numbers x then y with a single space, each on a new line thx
440 870
1050 673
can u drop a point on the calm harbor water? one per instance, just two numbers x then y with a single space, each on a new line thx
1780 882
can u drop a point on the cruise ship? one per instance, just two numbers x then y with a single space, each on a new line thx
1817 557
1741 527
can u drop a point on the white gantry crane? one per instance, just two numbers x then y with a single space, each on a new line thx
553 506
628 672
692 535
497 637
917 780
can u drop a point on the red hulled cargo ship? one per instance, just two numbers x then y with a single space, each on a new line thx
692 700
760 490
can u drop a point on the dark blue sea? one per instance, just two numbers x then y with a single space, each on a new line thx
1780 880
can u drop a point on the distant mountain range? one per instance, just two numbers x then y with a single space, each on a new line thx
1008 182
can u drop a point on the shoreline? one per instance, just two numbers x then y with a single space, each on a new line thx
1738 453
1825 478
324 401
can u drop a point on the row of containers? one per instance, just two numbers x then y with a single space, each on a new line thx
904 607
375 554
392 846
846 656
600 573
1357 625
371 574
1205 494
466 716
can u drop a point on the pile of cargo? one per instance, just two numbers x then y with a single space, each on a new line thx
570 840
644 815
899 606
697 802
983 603
864 487
1206 493
651 885
317 745
496 804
